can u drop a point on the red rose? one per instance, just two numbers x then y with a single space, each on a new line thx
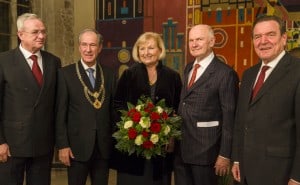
149 107
155 127
132 133
145 134
130 112
147 144
154 116
136 116
164 115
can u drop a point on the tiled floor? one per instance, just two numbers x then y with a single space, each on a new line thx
59 177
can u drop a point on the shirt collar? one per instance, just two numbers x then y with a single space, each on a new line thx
27 54
206 61
85 67
272 64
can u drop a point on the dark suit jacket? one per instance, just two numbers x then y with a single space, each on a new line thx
211 98
27 111
78 123
267 130
133 83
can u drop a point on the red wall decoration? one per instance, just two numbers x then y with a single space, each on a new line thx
122 21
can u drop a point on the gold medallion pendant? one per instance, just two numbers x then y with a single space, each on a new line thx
96 95
97 104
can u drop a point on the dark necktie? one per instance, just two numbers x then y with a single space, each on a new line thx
36 71
91 76
260 81
194 74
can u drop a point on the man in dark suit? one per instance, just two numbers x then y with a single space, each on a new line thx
84 114
27 106
266 147
207 106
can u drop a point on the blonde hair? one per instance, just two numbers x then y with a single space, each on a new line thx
143 39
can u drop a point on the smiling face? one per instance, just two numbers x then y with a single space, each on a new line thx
268 42
89 47
32 35
149 52
201 41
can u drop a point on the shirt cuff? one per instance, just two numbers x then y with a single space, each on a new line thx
224 157
295 181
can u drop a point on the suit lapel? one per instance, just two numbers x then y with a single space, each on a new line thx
46 77
206 75
46 72
250 82
85 77
200 81
187 70
189 67
25 70
279 71
26 75
98 77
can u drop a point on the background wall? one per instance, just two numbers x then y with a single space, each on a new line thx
122 21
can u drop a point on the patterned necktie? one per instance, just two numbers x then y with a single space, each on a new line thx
260 81
36 71
91 76
194 74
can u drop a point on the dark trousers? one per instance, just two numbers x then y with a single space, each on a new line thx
36 169
96 167
189 174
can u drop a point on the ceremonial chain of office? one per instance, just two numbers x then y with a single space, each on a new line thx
97 96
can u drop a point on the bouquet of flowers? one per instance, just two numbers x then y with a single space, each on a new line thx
146 129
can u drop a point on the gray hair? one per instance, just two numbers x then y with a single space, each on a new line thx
24 17
99 36
264 18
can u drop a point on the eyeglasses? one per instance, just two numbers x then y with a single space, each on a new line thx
86 45
37 32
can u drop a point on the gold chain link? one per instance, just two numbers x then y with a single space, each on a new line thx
88 94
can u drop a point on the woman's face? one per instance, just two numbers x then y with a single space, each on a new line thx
149 52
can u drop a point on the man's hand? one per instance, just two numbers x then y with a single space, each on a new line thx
236 172
222 166
64 156
4 152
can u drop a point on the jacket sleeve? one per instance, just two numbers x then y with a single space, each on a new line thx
61 110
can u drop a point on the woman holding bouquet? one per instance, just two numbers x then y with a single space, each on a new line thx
148 77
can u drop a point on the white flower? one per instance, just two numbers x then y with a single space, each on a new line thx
167 130
159 109
145 122
128 124
138 107
138 140
154 138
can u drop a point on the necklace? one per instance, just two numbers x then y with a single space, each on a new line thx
152 82
152 76
99 95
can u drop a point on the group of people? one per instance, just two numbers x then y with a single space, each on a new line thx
253 127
